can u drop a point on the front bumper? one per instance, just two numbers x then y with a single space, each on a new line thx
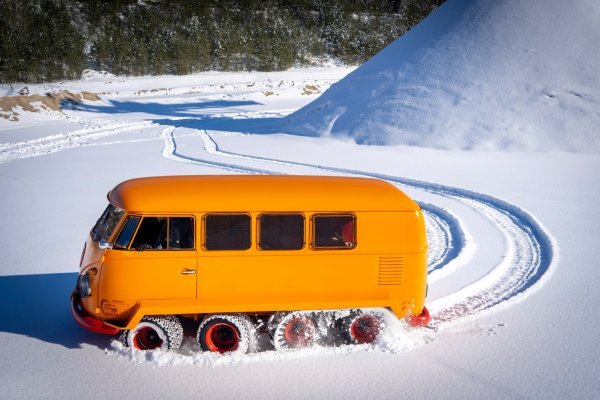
87 322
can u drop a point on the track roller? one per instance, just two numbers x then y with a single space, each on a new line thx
227 333
361 327
155 332
294 330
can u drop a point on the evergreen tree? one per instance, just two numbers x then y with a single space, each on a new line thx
44 40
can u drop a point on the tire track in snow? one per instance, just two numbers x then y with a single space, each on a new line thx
530 250
62 141
445 232
442 225
436 216
450 238
170 152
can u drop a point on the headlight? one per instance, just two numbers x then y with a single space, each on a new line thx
83 286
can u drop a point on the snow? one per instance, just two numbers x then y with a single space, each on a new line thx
215 82
513 235
514 75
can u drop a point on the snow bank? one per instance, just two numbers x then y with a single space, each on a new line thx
476 74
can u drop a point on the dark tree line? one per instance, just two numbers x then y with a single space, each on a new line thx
47 40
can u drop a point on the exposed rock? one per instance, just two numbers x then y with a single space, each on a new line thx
33 103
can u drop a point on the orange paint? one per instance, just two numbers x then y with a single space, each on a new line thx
377 259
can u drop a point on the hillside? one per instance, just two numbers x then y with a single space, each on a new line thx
51 40
475 74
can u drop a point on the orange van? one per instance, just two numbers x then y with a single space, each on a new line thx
301 254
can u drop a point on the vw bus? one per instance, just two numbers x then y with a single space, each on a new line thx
303 255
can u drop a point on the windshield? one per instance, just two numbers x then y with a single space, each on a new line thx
107 223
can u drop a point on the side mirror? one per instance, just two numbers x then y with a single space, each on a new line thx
103 244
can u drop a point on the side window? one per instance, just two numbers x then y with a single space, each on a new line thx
281 232
158 233
181 233
227 232
334 231
127 232
152 234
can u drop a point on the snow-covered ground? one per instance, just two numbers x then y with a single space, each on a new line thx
512 317
513 249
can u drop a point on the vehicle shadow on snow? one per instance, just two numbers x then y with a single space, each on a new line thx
38 306
261 126
181 110
190 115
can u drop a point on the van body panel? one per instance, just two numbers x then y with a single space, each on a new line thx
391 232
385 265
233 193
262 279
131 276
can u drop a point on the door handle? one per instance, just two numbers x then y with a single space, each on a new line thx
187 272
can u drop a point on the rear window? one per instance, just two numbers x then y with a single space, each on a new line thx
281 232
227 232
107 223
334 231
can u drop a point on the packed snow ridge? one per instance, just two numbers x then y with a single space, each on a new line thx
516 75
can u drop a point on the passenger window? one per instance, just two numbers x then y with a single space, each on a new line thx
181 233
281 232
334 231
152 234
127 232
227 232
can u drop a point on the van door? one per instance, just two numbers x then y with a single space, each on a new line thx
158 263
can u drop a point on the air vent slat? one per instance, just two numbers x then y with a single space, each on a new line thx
391 271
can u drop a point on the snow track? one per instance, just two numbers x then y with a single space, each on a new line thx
445 236
62 141
170 152
529 251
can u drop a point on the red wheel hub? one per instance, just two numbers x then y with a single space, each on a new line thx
299 332
419 320
146 338
365 329
222 337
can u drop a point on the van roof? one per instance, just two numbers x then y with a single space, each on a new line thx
270 193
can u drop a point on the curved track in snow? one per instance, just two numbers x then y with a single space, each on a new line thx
528 254
62 141
445 236
529 250
170 152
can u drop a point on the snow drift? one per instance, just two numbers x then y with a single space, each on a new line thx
476 74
